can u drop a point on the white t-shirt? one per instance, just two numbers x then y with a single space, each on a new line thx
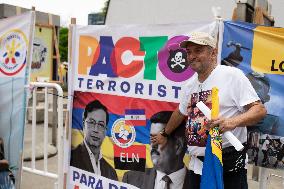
235 91
265 145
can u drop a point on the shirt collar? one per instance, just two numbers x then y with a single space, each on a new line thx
176 177
91 153
160 175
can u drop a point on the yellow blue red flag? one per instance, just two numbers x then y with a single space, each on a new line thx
212 172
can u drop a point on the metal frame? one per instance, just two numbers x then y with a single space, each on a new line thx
60 136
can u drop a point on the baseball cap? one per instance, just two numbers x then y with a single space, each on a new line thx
200 38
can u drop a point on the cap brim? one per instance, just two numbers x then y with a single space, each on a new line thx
186 43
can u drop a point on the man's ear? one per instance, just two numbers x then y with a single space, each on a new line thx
83 125
179 145
214 53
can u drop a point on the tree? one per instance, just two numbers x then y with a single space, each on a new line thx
105 8
63 44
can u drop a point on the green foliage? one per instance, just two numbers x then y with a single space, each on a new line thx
63 44
105 8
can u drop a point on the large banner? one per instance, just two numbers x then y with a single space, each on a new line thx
15 54
41 68
259 52
125 82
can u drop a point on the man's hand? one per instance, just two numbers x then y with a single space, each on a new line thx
158 139
224 124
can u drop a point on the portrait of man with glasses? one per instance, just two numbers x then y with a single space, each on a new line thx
87 156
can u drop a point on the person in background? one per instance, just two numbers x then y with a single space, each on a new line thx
264 149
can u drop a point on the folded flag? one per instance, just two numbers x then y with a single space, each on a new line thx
212 172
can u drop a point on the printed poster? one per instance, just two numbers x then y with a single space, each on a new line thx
125 82
41 68
258 52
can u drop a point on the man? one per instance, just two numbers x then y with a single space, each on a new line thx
264 148
87 155
280 154
169 171
239 107
7 179
4 164
253 144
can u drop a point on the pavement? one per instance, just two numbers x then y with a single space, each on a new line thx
273 181
30 180
51 149
33 181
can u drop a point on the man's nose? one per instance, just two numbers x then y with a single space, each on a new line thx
96 129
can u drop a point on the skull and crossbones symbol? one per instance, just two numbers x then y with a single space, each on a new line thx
178 60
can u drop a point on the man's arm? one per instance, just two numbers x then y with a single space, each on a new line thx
254 113
175 120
